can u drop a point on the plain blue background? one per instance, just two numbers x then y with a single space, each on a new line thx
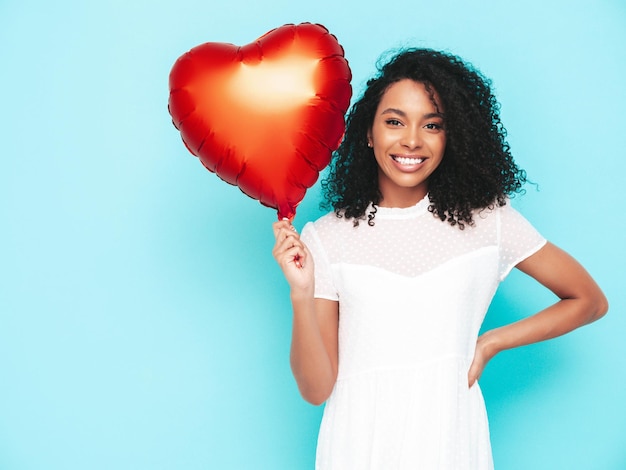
143 322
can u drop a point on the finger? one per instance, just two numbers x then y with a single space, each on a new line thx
286 234
283 224
289 246
473 375
285 239
280 225
293 255
470 381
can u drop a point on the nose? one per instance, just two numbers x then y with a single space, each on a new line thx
411 138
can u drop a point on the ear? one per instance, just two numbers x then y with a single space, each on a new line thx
369 138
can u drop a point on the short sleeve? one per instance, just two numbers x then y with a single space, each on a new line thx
324 285
517 239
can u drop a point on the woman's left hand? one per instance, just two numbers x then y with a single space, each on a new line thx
482 355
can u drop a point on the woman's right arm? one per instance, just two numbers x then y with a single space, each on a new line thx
314 349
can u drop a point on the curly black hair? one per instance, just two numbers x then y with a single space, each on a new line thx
477 170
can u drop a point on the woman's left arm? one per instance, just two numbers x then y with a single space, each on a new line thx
581 302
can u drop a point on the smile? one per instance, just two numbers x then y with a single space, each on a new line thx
407 160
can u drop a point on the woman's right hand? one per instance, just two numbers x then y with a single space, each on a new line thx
294 258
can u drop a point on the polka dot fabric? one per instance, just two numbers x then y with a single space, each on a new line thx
413 292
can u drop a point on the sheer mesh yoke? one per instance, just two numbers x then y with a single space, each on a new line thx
412 292
411 241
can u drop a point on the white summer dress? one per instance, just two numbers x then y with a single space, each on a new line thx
413 292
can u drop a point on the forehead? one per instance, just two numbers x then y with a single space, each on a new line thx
410 94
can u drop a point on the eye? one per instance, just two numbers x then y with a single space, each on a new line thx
434 126
393 122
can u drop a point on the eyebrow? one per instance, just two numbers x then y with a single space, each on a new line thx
403 114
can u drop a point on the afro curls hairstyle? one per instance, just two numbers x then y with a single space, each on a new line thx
477 170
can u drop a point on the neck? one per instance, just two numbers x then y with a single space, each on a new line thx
403 199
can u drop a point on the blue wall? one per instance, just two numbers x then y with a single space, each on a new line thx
143 323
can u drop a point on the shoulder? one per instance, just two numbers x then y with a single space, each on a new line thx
328 231
510 218
498 214
330 222
505 222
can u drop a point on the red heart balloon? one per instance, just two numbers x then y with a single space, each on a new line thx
265 116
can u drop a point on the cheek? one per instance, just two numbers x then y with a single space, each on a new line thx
440 145
384 140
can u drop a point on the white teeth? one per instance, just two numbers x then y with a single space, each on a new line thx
408 161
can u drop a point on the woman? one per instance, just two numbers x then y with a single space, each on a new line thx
390 289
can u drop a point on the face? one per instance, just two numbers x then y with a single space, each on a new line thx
409 140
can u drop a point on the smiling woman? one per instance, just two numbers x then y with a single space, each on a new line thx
387 314
142 325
